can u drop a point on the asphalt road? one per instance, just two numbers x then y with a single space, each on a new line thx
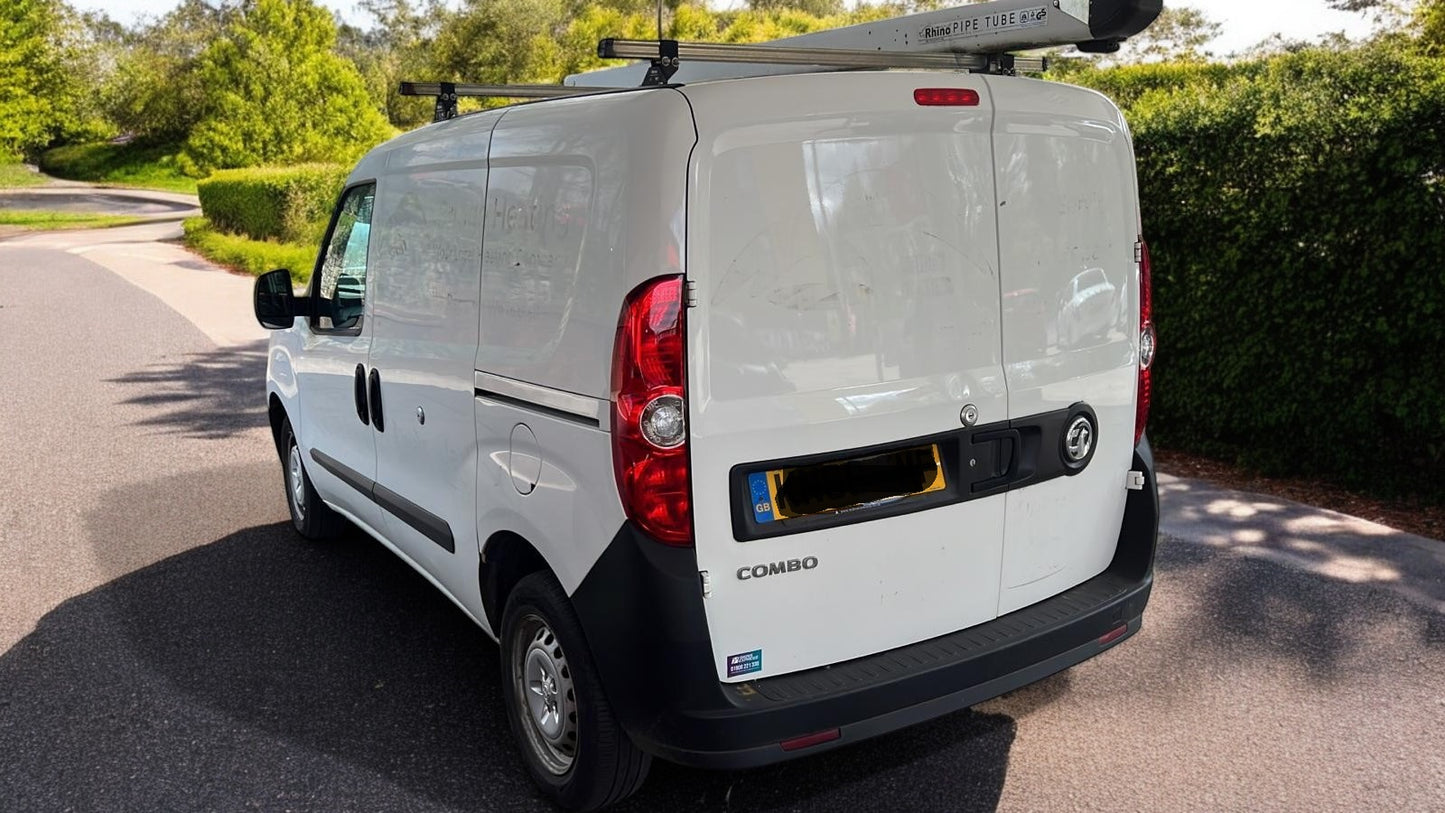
167 643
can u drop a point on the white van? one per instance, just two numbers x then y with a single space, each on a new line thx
704 401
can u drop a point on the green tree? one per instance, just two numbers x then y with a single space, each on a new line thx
1430 24
1424 19
156 90
42 88
817 8
278 94
1179 34
396 48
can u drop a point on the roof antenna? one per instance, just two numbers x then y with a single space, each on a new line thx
659 20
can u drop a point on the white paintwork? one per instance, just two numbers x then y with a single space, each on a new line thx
848 295
324 365
1068 221
863 266
585 201
427 236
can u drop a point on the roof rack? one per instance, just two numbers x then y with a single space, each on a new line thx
989 29
975 37
447 93
667 55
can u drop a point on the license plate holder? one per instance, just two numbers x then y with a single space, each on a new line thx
836 487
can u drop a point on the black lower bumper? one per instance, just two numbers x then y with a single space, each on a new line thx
641 609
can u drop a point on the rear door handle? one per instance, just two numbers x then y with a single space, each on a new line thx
359 391
373 391
998 451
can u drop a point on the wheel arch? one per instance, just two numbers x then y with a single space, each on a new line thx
276 414
507 558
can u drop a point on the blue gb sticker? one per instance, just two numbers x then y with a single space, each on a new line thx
746 663
762 501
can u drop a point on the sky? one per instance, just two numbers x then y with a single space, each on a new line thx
1246 22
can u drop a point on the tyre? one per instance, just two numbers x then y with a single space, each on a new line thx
312 518
574 748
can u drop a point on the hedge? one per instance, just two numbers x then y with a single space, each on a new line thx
291 204
251 256
1295 211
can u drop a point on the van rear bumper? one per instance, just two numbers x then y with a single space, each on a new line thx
641 609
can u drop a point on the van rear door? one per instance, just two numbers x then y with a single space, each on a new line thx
842 240
1068 223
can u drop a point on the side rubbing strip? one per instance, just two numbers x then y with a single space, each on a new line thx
549 401
425 522
342 472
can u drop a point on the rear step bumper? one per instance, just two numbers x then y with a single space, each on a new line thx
641 609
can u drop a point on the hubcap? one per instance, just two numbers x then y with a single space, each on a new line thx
547 701
296 478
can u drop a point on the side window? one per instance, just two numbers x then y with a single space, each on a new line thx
341 287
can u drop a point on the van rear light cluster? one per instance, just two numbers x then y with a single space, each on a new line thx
1148 342
649 412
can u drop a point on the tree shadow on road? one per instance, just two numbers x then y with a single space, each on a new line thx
216 394
1269 578
259 670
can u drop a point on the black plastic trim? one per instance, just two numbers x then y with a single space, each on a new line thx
373 400
425 522
359 393
641 608
978 462
343 472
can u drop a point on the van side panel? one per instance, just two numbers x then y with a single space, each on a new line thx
843 242
586 199
1068 221
426 241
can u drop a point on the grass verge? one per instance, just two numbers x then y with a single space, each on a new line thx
147 166
40 219
244 254
16 176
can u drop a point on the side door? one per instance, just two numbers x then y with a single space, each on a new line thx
334 425
425 287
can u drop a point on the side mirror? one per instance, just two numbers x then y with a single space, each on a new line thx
276 306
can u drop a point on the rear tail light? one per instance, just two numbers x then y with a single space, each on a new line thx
649 412
1148 342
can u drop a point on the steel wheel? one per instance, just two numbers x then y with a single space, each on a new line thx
310 515
543 685
296 480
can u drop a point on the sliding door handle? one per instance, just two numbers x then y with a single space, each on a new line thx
359 391
373 390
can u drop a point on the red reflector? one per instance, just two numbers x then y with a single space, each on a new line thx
810 740
946 97
1111 637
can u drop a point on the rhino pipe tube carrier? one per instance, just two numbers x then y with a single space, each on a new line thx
753 415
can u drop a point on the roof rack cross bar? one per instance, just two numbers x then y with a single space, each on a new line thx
447 93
